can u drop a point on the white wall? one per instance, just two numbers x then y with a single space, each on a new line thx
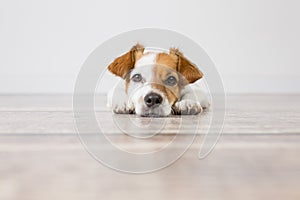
254 43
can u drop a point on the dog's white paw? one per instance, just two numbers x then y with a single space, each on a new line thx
123 108
187 107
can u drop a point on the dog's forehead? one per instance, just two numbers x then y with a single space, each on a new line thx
155 63
147 59
151 58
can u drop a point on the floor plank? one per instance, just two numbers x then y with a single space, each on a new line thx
240 167
256 157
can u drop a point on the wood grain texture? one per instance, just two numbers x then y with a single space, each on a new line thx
46 167
257 157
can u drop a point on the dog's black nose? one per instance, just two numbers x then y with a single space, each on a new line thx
152 99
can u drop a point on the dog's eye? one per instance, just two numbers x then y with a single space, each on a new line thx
136 78
171 81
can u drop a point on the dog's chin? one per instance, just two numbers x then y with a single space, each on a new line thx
152 112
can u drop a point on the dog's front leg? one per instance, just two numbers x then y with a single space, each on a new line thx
187 107
123 108
192 102
117 99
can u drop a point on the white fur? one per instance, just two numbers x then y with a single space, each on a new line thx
118 100
147 59
192 101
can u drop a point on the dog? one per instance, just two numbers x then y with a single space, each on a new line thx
156 84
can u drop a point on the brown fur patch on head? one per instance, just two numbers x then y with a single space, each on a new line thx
185 67
122 65
167 60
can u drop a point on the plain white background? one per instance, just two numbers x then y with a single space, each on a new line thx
254 43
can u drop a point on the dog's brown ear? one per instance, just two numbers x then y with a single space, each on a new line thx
186 68
123 64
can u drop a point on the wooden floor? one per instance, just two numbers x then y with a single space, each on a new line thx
257 156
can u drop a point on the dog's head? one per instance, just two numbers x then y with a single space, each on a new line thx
154 81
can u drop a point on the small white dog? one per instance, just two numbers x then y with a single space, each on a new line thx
156 84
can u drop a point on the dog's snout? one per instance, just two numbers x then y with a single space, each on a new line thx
152 99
